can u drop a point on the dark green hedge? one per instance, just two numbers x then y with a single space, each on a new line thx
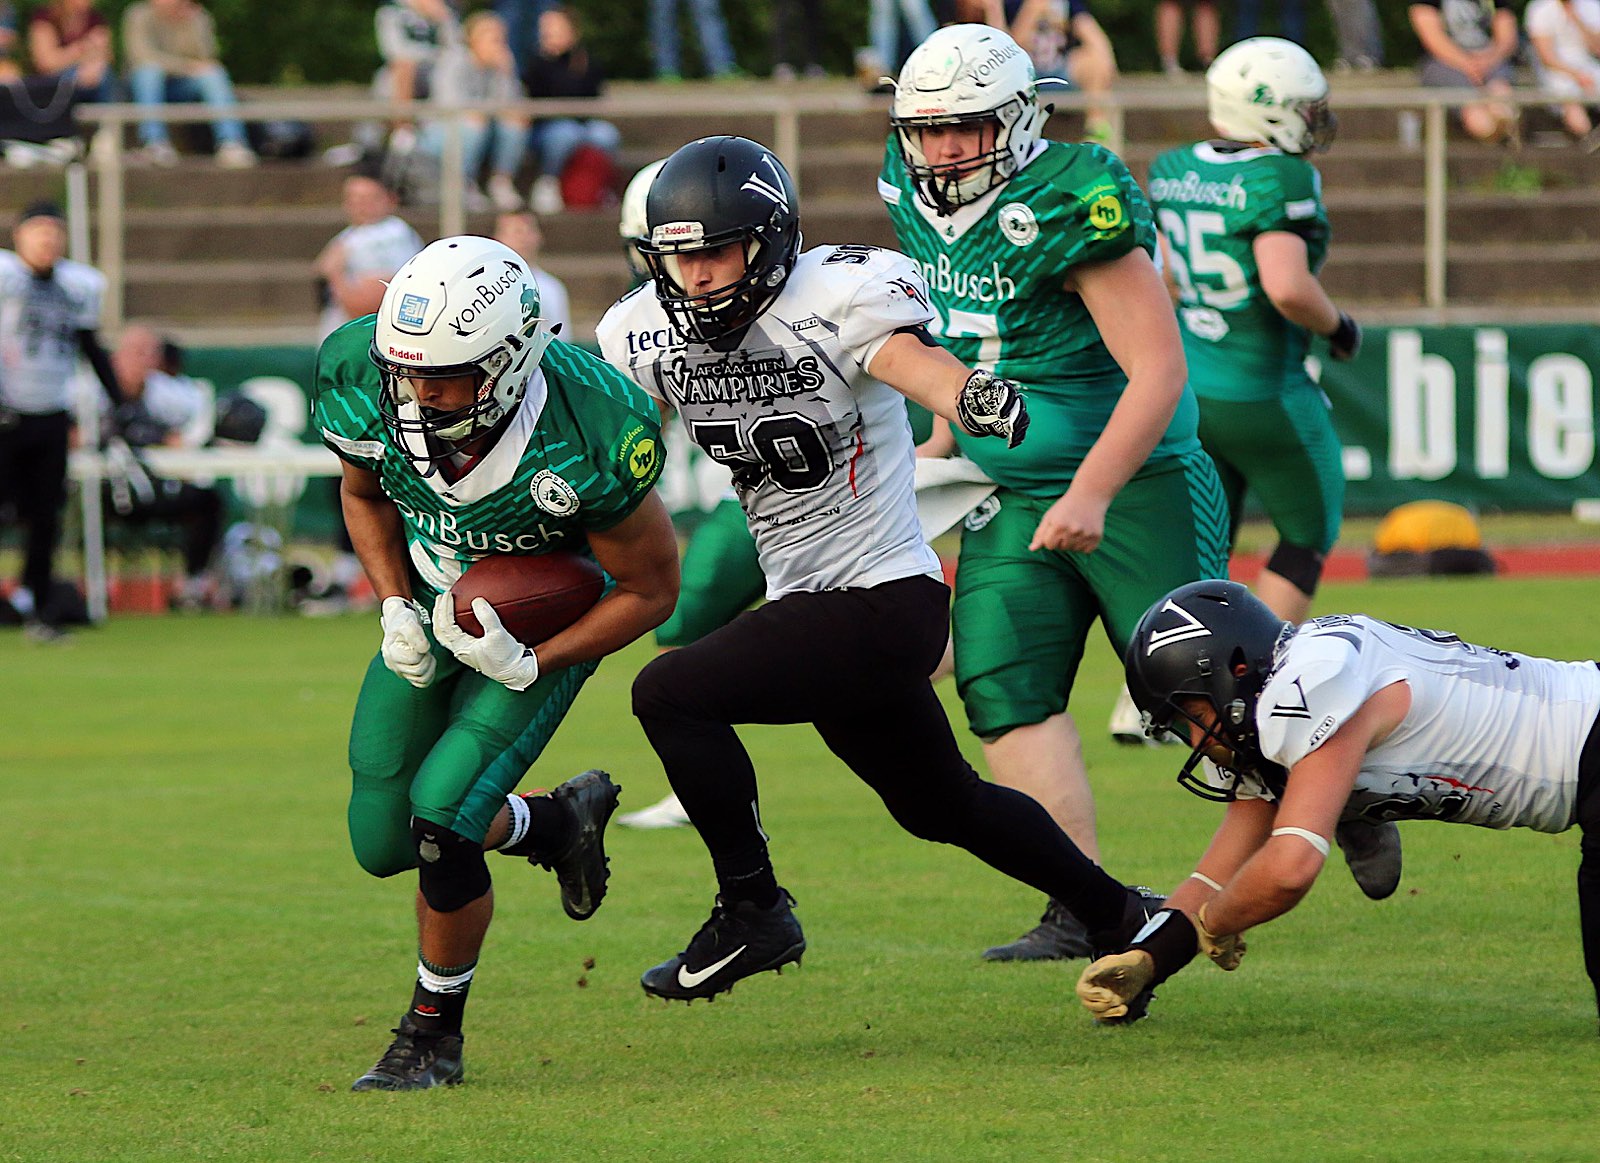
332 40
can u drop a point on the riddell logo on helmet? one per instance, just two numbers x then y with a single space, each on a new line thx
400 353
678 232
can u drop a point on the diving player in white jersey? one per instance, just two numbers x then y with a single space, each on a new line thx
790 368
1344 716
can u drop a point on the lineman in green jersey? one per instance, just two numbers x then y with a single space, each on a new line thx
1039 258
1245 231
465 430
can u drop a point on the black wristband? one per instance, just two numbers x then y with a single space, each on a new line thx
1343 336
1171 941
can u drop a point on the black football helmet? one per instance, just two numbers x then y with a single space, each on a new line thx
1215 642
710 193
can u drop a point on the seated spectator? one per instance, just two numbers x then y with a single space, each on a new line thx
1470 46
1355 22
521 19
171 46
1065 40
894 27
797 25
1203 22
1291 20
71 40
411 36
481 70
1566 40
161 408
520 231
9 69
564 68
715 51
354 266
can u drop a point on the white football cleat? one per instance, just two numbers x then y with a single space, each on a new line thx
667 813
1127 724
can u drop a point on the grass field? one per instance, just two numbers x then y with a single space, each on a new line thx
196 969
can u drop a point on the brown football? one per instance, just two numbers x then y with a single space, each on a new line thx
537 596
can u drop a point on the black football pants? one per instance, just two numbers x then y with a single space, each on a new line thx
33 476
1588 819
855 664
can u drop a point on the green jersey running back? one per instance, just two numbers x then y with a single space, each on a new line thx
581 452
1212 200
996 269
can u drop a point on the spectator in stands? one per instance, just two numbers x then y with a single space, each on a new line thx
354 266
9 69
521 19
171 46
715 51
1469 45
894 27
1360 35
164 408
1566 42
1291 20
71 40
1203 23
49 317
482 69
564 68
1065 40
797 26
411 36
520 231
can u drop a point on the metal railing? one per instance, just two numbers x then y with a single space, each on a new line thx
786 110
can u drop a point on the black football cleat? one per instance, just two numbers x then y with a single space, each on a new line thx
580 864
1059 936
1373 853
740 939
415 1061
1142 904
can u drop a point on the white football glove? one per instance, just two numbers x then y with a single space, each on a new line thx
990 406
496 655
405 642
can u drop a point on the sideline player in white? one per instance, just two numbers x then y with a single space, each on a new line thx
1343 716
790 368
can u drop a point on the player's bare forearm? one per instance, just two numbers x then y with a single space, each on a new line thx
928 375
1244 829
641 553
376 532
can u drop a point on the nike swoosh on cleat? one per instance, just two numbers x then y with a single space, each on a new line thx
691 978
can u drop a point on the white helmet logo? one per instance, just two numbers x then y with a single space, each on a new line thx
1191 627
413 310
772 191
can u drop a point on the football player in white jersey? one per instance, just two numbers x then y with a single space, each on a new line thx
790 367
49 318
1298 727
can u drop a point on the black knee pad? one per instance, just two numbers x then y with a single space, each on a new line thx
451 870
1297 565
654 685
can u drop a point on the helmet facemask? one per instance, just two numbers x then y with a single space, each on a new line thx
723 310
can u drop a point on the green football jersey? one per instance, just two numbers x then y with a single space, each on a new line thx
996 270
583 458
1212 199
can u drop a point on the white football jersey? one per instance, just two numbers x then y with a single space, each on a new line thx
1492 737
39 324
821 452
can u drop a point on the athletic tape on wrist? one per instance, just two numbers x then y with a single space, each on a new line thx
1205 880
1311 838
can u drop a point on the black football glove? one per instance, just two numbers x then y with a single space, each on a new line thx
1344 342
990 406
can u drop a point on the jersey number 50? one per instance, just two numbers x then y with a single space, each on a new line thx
789 449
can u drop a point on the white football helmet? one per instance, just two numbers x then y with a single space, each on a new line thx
460 306
633 225
967 74
1267 89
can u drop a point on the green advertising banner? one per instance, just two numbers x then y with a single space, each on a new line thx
1491 417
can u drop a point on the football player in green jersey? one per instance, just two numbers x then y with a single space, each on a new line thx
1245 232
466 430
1039 259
